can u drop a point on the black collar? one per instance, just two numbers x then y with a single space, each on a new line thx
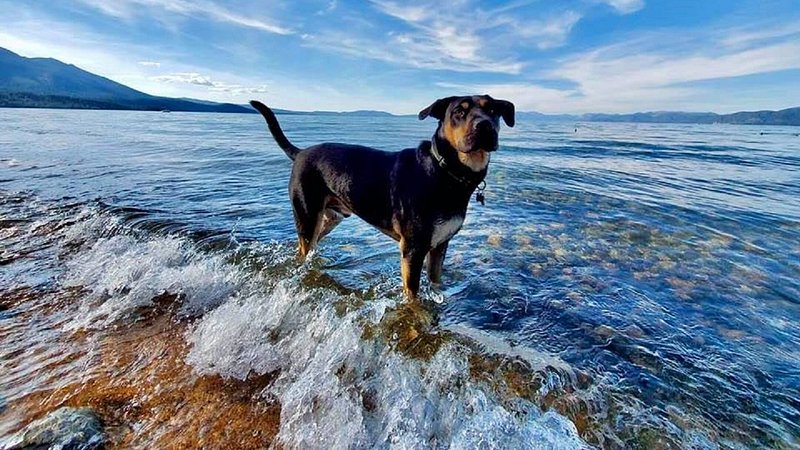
469 179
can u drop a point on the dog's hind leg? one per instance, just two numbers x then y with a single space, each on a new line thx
330 218
308 213
334 212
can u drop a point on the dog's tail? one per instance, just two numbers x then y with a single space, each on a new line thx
275 128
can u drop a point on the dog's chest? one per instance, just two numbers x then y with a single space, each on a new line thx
444 229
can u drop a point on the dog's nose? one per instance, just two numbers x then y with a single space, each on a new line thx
484 126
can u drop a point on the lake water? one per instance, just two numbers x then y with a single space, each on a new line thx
625 286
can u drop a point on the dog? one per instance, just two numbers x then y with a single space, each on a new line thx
417 196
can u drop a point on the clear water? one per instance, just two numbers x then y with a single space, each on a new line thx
625 286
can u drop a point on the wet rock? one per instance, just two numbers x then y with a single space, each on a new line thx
3 402
634 331
410 328
678 417
560 253
536 268
604 332
731 334
522 240
494 240
63 429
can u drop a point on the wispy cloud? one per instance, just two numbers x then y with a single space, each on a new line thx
150 63
460 38
213 85
760 33
548 33
611 69
129 9
625 6
329 8
630 77
405 49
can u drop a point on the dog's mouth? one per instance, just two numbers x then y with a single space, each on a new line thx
486 141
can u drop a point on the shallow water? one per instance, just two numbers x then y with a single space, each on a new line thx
625 286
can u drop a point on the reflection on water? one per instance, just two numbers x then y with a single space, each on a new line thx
634 285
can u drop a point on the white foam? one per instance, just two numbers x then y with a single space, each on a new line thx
340 390
337 388
123 272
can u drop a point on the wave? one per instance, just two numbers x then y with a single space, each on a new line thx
344 373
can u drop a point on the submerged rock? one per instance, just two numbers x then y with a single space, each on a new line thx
63 429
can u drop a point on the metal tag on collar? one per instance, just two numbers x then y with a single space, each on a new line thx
479 195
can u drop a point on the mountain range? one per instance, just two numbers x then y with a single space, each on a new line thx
50 83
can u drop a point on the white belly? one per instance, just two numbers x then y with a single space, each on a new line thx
445 229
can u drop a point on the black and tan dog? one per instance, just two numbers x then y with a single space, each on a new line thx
417 196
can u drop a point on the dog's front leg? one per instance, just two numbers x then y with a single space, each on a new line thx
436 262
411 261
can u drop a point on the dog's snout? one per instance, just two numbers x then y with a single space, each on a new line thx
484 126
485 135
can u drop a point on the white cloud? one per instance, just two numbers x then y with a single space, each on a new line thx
461 38
329 8
129 9
625 6
150 63
413 51
549 33
413 14
215 86
453 43
642 75
185 77
605 70
760 33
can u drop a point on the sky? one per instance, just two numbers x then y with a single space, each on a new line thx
568 56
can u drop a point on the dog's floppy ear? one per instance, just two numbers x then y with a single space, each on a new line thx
437 109
506 109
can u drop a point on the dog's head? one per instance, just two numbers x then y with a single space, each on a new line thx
470 124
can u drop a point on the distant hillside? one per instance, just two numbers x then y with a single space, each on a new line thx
369 113
789 116
49 83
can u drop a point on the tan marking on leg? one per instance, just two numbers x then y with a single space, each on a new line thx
405 270
411 262
302 248
307 245
330 219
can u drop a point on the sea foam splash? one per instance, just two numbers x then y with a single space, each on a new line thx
338 388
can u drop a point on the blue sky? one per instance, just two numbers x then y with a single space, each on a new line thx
568 56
